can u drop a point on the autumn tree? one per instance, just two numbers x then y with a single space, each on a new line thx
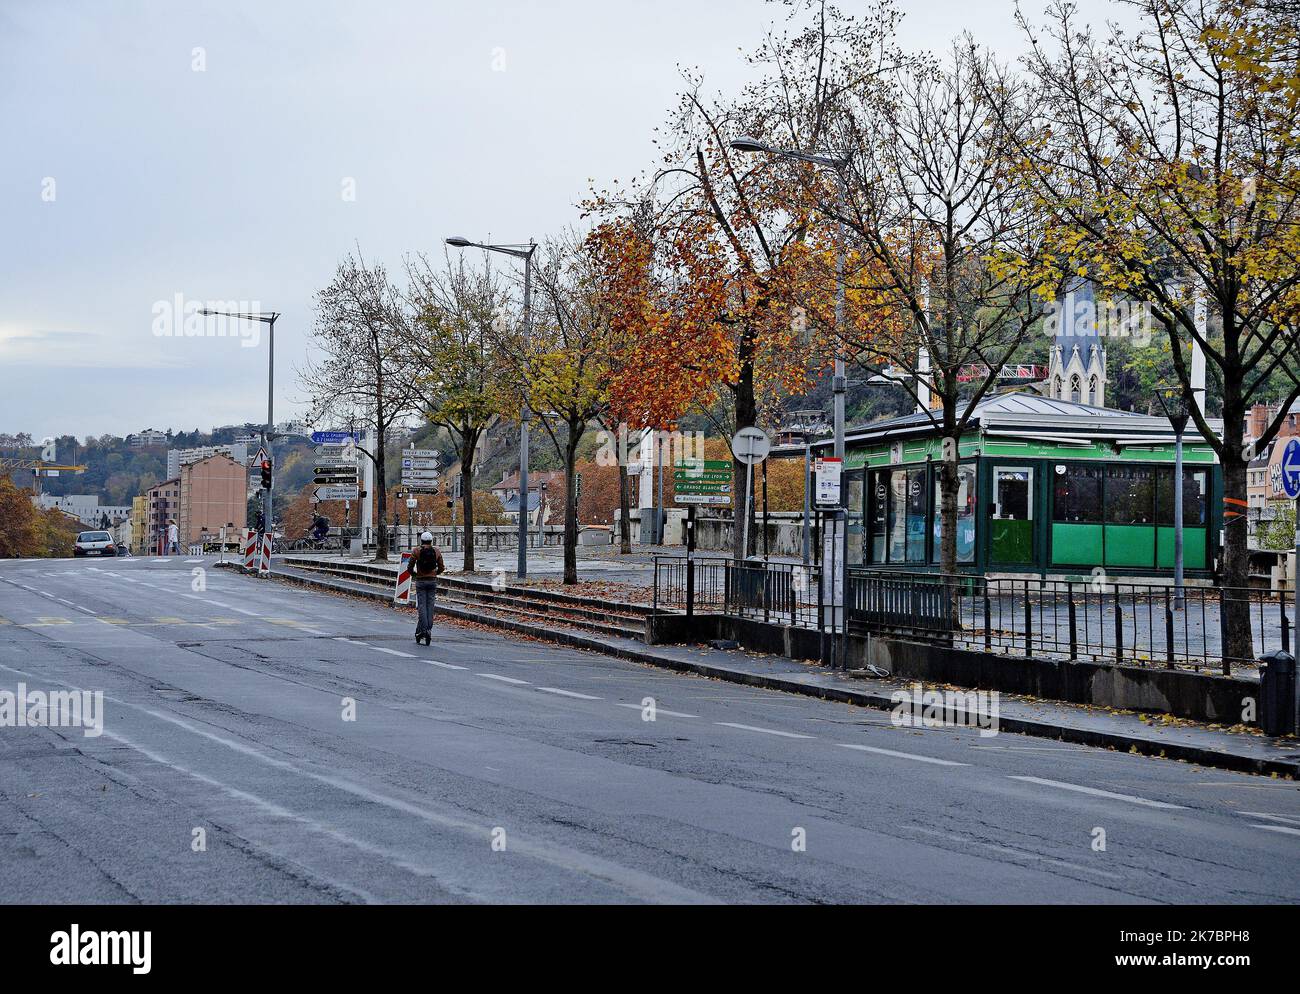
944 242
707 277
364 375
725 260
20 532
1170 160
458 380
562 369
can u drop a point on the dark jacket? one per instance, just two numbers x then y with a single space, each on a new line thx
426 567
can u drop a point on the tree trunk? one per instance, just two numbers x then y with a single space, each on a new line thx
381 498
746 417
468 443
624 511
949 481
1238 645
571 503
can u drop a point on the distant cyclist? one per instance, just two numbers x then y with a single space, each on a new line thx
320 527
426 564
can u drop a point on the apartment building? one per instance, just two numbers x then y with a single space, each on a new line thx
139 524
176 458
164 505
212 494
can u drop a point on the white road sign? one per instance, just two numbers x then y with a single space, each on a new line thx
342 492
421 453
724 499
420 474
828 473
751 445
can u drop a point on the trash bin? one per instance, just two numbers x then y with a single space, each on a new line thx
1277 692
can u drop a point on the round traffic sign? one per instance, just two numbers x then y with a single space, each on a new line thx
1291 468
750 445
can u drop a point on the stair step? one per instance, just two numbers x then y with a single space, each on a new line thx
544 619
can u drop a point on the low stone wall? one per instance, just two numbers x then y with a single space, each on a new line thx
1182 693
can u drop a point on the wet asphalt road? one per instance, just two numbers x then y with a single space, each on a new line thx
321 756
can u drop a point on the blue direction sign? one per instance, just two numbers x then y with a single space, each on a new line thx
1291 468
334 437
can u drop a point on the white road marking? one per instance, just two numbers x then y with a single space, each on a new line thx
1095 792
1278 828
393 652
503 679
194 560
1288 819
340 638
242 611
657 710
765 731
159 560
900 755
445 666
569 693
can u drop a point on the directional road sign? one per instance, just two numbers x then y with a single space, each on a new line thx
343 492
334 437
704 481
1291 468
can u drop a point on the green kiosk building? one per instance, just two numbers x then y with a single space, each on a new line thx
1049 486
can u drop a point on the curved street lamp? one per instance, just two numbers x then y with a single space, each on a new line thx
525 252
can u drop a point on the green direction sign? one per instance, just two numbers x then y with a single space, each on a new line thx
704 482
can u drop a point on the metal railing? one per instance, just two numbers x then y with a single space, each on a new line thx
1101 619
780 593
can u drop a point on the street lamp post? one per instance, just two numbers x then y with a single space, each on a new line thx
1178 418
839 380
807 423
267 319
525 252
837 164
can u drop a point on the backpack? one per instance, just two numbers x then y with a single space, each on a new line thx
428 562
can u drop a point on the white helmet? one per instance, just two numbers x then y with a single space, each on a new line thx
426 536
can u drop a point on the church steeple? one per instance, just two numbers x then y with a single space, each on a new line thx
1077 365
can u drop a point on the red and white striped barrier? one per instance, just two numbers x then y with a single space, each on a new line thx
264 566
402 595
250 548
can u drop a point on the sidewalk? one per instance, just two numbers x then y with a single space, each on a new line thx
1211 746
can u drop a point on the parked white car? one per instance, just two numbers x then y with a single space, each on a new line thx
94 544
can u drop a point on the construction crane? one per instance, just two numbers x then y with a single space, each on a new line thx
39 468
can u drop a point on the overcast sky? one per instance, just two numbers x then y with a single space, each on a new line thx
128 177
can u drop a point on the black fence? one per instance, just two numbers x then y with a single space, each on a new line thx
781 593
1097 619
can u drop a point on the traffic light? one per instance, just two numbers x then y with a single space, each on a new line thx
266 474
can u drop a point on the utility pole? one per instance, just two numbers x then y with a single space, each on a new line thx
268 433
